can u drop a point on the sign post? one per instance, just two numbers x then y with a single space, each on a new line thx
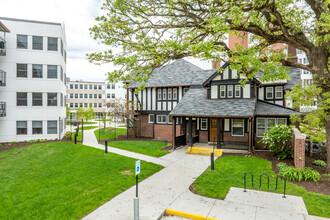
136 199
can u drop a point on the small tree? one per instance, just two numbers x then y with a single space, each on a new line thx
80 113
67 111
279 140
89 113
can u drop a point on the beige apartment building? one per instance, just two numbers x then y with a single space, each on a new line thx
83 94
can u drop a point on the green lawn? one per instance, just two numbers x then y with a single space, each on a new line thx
85 123
62 180
79 137
104 134
229 171
88 127
151 148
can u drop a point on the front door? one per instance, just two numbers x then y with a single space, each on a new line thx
213 130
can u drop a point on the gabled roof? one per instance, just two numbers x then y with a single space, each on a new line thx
208 80
264 108
195 103
178 73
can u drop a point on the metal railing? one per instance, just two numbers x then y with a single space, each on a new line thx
264 174
2 109
2 78
2 47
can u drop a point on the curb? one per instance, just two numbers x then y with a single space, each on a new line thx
188 215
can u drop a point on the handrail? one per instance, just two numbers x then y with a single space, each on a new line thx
265 174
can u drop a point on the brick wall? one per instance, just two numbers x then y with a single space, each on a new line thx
203 136
228 137
164 131
299 149
259 146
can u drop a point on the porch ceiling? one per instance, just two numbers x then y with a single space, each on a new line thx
195 103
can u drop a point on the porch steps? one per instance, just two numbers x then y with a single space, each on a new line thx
204 151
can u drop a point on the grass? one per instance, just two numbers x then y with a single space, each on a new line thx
85 123
151 148
89 127
62 180
79 137
229 171
104 134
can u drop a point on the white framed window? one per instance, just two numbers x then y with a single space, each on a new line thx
281 121
261 127
170 120
204 124
164 94
161 119
269 92
278 92
51 127
237 127
271 122
230 91
222 91
169 94
237 91
175 93
151 118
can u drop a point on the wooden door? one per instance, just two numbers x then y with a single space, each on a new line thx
213 130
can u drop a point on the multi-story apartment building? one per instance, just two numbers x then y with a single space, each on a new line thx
32 80
96 94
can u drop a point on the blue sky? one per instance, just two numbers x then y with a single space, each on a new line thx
78 16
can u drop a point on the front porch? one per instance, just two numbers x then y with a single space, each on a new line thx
213 132
229 149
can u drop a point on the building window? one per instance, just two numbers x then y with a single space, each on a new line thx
36 127
52 72
51 99
222 91
108 95
76 105
169 95
113 95
37 43
81 96
36 99
85 105
164 94
100 96
269 92
175 93
21 99
90 87
21 70
51 127
278 92
281 121
95 87
108 86
261 127
230 91
95 96
71 105
113 86
185 90
161 119
204 124
159 94
95 105
76 96
85 87
237 91
21 127
90 96
76 86
22 42
52 43
85 96
270 122
151 118
71 95
100 87
71 86
81 86
36 71
237 128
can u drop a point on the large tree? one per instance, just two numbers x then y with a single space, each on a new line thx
147 33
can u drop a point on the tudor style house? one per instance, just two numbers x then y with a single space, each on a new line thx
186 104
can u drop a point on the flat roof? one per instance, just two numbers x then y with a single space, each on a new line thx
30 21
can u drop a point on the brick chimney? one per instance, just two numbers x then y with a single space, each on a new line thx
242 38
215 64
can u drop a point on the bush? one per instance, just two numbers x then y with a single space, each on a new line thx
294 174
68 135
320 163
279 141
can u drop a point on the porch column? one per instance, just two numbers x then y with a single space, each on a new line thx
173 132
190 132
250 134
218 133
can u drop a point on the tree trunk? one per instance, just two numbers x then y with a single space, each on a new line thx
327 130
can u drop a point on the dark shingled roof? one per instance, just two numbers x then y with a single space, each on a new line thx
266 108
195 103
178 73
294 78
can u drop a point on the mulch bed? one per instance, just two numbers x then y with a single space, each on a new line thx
322 186
8 146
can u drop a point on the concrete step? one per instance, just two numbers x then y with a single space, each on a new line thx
204 151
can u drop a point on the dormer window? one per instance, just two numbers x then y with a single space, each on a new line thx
237 91
222 91
185 90
278 92
175 92
230 91
269 93
164 94
159 94
169 95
